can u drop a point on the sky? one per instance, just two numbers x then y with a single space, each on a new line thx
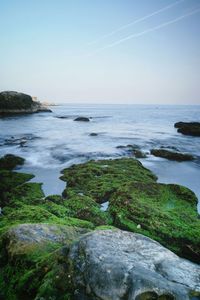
102 51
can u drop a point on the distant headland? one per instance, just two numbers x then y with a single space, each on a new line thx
12 102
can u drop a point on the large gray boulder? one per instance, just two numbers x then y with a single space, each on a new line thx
12 102
119 265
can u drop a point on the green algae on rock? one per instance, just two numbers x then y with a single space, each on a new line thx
99 179
171 155
166 213
85 208
33 262
10 161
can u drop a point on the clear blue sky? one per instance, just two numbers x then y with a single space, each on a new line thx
62 50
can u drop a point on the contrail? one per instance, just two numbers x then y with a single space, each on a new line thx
136 21
146 31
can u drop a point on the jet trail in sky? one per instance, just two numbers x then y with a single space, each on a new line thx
129 37
136 21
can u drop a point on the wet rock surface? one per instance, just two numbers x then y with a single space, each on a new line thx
82 119
118 265
188 128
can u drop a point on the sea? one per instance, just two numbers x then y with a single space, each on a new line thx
53 141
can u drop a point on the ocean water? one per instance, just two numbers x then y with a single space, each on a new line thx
52 141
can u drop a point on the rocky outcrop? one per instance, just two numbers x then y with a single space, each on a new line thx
82 119
171 155
165 212
188 128
43 261
117 265
15 103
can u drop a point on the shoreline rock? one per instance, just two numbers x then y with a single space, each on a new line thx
188 128
165 212
171 155
118 265
82 119
44 261
54 248
12 103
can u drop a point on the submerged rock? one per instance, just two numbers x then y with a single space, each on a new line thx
82 119
188 128
139 154
171 155
118 265
16 103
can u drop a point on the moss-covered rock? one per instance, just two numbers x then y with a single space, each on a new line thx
10 161
34 262
8 182
171 155
166 213
99 179
85 208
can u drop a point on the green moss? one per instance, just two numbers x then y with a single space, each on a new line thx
10 161
85 208
162 212
28 193
99 179
166 213
37 274
105 227
37 214
9 181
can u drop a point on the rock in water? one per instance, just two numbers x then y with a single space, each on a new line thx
15 103
118 265
188 128
10 161
171 155
82 119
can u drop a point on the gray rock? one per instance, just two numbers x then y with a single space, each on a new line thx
119 265
82 119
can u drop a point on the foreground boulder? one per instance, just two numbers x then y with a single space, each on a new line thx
188 128
16 103
56 262
171 155
34 261
118 265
